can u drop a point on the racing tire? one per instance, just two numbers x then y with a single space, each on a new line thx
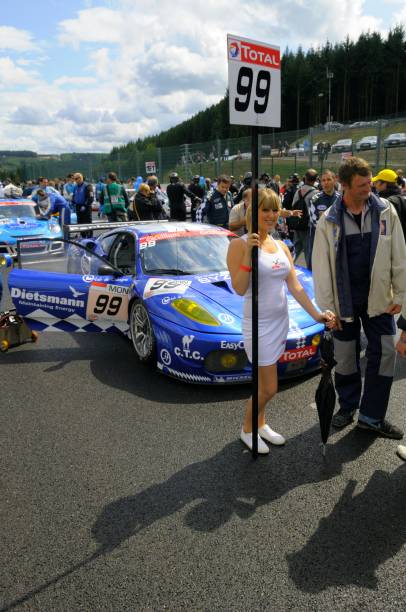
142 334
4 344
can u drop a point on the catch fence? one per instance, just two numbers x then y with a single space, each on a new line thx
281 153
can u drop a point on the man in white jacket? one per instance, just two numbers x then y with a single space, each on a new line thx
359 273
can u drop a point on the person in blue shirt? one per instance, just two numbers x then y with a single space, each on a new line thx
68 189
49 204
43 184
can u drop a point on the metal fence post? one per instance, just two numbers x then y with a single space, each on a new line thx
259 153
218 158
311 148
159 154
378 147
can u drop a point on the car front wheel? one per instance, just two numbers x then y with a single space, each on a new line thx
142 334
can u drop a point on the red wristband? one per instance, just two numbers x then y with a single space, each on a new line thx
245 268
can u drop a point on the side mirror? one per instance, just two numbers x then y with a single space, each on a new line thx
106 270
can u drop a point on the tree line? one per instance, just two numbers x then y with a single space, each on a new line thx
368 82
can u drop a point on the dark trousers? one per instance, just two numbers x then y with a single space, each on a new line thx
84 217
310 243
380 357
117 215
300 241
178 214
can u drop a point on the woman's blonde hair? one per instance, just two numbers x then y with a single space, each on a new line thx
267 200
144 189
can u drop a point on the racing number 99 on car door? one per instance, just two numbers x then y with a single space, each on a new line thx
254 80
107 300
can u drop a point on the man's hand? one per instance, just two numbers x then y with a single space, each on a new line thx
401 344
393 309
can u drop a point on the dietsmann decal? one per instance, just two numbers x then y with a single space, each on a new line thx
42 298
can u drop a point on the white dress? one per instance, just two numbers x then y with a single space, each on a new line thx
273 317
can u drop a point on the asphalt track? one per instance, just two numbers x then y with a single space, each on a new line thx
124 490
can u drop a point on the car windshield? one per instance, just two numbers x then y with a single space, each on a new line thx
16 210
193 254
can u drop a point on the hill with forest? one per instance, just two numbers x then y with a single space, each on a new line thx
367 83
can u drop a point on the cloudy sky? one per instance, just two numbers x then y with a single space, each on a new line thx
85 75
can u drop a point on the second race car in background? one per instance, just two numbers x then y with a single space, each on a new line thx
18 221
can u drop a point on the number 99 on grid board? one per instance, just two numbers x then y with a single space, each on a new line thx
254 82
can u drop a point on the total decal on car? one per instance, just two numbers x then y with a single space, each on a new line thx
18 221
167 287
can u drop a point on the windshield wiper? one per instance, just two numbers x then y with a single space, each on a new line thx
174 271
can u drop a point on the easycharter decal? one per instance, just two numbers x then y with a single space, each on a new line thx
35 298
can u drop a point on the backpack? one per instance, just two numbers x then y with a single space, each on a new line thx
399 202
299 224
288 198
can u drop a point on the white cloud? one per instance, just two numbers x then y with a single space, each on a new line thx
106 27
146 65
12 75
72 81
16 40
29 115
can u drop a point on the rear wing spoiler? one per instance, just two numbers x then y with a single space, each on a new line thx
103 226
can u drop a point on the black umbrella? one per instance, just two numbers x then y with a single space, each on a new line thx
325 394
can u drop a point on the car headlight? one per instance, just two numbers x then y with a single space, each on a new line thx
55 228
6 261
193 310
316 340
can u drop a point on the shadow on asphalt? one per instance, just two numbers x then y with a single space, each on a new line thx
113 362
230 483
360 534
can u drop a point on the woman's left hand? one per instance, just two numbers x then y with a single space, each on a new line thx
329 319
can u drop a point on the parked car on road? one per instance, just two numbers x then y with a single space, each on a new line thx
298 151
342 146
395 140
333 126
367 142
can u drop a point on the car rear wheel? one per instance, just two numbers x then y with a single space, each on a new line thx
142 334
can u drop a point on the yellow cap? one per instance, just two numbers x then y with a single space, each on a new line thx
387 176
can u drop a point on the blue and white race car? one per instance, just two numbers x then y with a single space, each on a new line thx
18 220
166 285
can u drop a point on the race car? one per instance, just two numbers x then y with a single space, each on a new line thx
165 285
18 220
